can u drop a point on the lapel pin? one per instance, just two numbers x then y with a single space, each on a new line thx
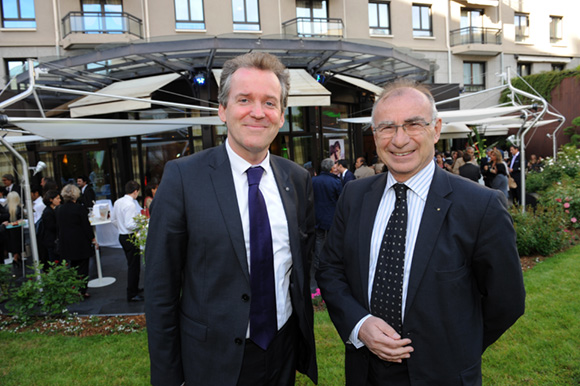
287 189
438 209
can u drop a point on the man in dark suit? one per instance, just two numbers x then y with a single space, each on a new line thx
88 196
203 285
10 184
515 171
469 170
457 285
344 174
327 188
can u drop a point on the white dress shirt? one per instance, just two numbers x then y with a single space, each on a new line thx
38 207
417 193
124 211
278 225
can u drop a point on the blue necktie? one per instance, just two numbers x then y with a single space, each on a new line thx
263 319
387 294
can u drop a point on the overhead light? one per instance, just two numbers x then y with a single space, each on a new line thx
40 166
199 79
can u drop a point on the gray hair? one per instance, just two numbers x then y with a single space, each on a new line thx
12 203
397 88
70 192
326 165
257 60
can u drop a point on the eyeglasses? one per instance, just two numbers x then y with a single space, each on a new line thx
412 128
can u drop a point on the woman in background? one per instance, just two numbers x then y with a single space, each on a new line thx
49 229
498 172
75 234
150 191
14 231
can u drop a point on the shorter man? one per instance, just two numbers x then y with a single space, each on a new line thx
343 172
362 170
125 210
88 197
9 184
37 204
469 170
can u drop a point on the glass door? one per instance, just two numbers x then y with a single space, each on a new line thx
71 164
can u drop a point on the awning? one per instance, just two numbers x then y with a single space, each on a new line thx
69 128
543 59
377 90
304 89
24 138
454 130
135 88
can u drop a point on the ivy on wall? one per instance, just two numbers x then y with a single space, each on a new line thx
543 83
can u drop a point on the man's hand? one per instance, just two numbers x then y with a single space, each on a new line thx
384 341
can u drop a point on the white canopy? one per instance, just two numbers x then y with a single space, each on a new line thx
377 90
67 128
304 90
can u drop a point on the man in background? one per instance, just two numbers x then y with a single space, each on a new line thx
362 169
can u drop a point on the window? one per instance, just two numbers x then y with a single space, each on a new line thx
102 16
522 24
15 67
18 14
473 76
555 29
189 14
524 69
379 17
246 15
558 67
422 20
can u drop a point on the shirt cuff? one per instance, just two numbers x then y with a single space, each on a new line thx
353 338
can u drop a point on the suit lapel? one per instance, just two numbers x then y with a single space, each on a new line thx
370 206
225 193
434 215
289 198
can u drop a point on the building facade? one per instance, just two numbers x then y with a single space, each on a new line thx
90 44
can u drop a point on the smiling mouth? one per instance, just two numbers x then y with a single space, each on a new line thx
402 154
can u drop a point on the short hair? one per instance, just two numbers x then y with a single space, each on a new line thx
256 60
149 190
397 88
70 192
515 147
467 157
326 165
35 189
131 186
84 178
343 163
9 177
50 184
364 160
50 195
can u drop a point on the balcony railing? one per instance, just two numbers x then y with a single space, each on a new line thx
475 35
101 23
313 27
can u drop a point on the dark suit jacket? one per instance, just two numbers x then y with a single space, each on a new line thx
87 198
327 188
74 232
197 287
465 286
470 171
348 176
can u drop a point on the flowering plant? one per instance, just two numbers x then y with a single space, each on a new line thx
139 237
317 301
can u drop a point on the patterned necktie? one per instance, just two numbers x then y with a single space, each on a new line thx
387 295
263 319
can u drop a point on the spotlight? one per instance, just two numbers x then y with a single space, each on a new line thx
199 79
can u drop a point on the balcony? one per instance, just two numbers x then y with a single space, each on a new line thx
476 41
87 29
313 27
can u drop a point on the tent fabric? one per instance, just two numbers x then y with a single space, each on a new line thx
377 90
68 128
135 88
304 90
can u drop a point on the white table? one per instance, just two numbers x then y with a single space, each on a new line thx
100 281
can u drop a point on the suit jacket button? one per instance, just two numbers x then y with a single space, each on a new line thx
245 297
238 341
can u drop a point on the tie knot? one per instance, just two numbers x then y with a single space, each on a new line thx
254 175
400 190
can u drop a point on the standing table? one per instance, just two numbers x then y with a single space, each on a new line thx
100 281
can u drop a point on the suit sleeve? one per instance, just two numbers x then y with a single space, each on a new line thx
343 306
497 270
165 254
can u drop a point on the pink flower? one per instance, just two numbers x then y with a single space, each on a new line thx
567 211
567 205
574 220
558 200
568 198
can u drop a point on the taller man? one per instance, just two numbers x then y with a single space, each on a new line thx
227 284
422 289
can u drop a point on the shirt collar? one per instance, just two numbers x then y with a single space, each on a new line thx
419 183
240 165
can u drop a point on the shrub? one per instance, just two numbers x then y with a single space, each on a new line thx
57 288
541 231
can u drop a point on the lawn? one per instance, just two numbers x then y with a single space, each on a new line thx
543 348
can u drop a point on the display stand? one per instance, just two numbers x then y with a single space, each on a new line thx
100 281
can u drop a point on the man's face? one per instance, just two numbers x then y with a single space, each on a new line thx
254 112
358 163
80 183
6 181
513 150
334 169
471 152
404 155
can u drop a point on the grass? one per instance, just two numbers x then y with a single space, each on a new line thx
543 348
